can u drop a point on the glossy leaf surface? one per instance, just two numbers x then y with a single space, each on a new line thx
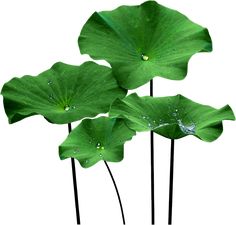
144 41
62 94
172 117
97 139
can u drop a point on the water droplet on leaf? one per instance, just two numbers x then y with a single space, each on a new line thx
144 57
98 145
188 128
67 108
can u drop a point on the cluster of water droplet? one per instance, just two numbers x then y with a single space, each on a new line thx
188 126
49 82
51 97
67 107
100 147
154 124
175 114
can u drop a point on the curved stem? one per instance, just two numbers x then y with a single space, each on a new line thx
117 192
171 181
152 167
75 184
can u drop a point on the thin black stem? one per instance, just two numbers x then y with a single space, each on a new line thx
75 184
117 192
152 167
151 88
171 181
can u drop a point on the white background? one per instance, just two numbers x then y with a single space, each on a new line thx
36 187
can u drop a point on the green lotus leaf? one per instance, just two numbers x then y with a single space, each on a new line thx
62 94
172 117
97 139
144 41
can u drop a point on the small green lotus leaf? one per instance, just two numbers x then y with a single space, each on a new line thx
172 117
97 139
62 94
144 41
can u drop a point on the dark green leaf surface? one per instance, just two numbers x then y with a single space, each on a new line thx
62 94
144 41
172 117
97 139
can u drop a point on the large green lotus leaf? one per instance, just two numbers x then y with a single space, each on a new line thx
97 139
172 117
62 94
144 41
